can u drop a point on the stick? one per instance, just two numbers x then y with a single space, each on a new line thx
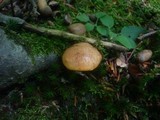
70 36
147 35
58 33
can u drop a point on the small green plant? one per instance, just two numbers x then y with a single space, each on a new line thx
103 25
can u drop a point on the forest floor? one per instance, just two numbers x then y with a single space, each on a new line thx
122 87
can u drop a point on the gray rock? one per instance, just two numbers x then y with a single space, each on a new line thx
15 62
4 19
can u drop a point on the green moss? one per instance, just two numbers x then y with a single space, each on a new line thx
62 86
37 44
124 13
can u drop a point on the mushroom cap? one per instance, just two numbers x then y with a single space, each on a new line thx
81 57
144 55
44 9
77 28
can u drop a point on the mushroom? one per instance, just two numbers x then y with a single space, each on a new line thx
144 55
44 9
81 57
77 28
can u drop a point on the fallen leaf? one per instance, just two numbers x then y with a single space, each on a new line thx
134 70
112 69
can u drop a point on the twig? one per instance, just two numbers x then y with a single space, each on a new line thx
58 33
141 38
147 35
70 36
134 50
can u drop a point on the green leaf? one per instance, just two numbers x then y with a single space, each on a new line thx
89 27
83 18
107 21
102 30
132 31
100 14
112 35
126 41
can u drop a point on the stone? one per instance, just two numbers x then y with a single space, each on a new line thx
16 63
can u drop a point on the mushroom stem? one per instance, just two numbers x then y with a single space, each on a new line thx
70 36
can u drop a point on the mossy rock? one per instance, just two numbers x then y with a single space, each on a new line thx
16 63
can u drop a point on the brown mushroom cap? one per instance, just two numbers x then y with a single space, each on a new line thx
81 57
77 28
144 55
44 9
